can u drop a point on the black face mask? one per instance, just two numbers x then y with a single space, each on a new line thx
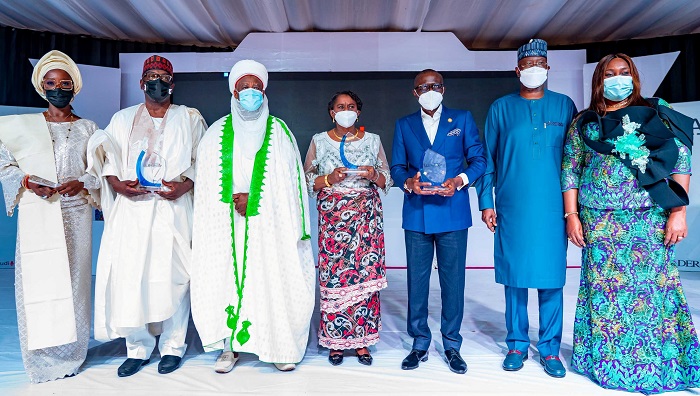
59 98
157 90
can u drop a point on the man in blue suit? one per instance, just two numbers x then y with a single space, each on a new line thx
436 220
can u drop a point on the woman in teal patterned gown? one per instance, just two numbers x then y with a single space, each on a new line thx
625 174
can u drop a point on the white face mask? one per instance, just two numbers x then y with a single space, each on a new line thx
533 77
430 100
345 118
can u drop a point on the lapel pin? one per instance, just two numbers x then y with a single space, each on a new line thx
449 120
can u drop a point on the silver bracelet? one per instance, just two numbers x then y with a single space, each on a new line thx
376 178
567 214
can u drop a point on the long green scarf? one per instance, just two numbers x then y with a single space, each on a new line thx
253 209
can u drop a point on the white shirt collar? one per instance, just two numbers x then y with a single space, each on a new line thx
435 117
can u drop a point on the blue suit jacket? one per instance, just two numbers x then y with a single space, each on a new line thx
458 140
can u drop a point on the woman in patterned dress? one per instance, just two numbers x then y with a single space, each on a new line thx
350 236
625 174
57 79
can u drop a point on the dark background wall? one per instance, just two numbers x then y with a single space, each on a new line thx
18 45
301 99
682 83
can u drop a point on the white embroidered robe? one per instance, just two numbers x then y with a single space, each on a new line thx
142 267
278 292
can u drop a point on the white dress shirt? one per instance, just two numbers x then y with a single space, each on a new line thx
430 123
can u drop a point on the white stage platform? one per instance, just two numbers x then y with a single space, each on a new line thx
483 329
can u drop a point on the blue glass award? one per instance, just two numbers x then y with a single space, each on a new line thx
433 171
352 169
150 170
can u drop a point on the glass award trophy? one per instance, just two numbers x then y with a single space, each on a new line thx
352 169
433 171
43 182
150 170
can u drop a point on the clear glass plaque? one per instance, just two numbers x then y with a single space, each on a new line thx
433 171
352 169
43 182
150 170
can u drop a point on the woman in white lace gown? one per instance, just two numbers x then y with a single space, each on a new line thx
350 229
57 79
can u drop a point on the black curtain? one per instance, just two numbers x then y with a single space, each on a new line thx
681 83
18 45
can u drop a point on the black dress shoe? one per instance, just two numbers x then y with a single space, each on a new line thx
413 359
365 359
168 364
131 367
335 359
456 363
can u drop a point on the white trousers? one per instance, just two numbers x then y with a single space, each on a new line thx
140 343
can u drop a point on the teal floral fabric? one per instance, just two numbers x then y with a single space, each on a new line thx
633 330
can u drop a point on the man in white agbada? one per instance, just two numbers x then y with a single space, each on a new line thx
256 294
142 269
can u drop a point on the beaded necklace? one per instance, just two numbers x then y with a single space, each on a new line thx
51 119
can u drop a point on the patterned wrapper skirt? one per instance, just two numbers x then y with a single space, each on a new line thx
350 267
633 330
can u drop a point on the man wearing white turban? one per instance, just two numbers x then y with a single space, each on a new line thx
142 269
43 171
252 275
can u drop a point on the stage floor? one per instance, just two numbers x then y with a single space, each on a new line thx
483 348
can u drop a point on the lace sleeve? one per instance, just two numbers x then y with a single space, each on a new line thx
11 178
311 168
383 168
90 182
684 159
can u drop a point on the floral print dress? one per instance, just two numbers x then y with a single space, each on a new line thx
351 269
633 330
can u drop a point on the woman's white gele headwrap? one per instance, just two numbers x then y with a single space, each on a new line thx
56 60
247 67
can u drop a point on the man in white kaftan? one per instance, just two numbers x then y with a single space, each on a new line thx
142 269
253 275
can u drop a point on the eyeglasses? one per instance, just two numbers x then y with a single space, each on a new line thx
529 64
429 87
50 85
154 76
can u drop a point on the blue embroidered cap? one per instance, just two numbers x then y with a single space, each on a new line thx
535 47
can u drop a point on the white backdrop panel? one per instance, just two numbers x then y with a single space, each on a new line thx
357 51
688 251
